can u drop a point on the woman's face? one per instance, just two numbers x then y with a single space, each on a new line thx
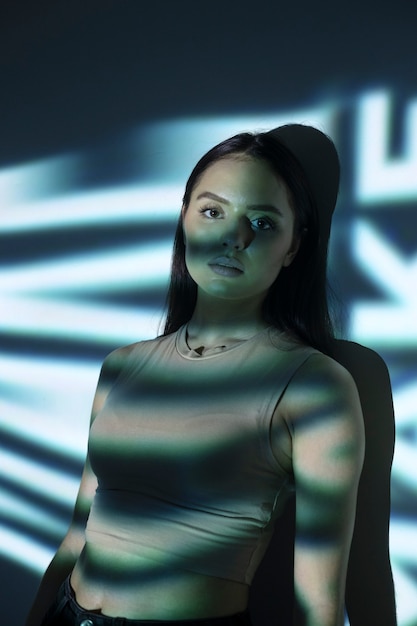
238 229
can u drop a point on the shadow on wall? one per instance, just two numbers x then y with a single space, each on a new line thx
370 590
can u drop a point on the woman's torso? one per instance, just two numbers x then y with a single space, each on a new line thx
173 596
188 485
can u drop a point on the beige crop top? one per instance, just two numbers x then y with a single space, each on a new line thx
187 478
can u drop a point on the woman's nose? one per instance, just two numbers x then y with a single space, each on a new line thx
239 235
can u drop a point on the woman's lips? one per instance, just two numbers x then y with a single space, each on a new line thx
225 266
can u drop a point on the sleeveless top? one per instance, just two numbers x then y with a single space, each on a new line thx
182 452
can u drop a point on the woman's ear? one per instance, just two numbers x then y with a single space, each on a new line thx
289 257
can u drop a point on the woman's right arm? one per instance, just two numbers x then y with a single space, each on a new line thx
68 552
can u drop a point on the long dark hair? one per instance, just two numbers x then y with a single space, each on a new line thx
297 301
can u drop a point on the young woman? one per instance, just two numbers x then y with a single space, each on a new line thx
198 435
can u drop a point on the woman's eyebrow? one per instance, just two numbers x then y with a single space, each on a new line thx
268 208
212 196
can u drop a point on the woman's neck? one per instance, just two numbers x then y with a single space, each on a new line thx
215 323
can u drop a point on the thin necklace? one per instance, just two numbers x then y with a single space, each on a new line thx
200 349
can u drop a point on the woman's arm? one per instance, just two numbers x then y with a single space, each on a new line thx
64 560
68 552
322 408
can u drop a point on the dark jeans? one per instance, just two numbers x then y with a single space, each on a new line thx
66 612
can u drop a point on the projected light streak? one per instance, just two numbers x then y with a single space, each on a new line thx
61 487
24 550
385 265
383 326
51 407
403 541
395 276
36 179
33 380
403 549
135 266
404 466
406 597
61 432
99 323
136 204
26 480
405 403
35 519
50 428
380 178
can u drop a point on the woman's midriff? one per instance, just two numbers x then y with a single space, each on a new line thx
124 585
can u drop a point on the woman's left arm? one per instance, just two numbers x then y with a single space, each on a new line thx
322 409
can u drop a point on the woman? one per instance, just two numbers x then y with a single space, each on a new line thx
197 436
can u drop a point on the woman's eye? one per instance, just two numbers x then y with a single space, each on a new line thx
260 223
210 212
